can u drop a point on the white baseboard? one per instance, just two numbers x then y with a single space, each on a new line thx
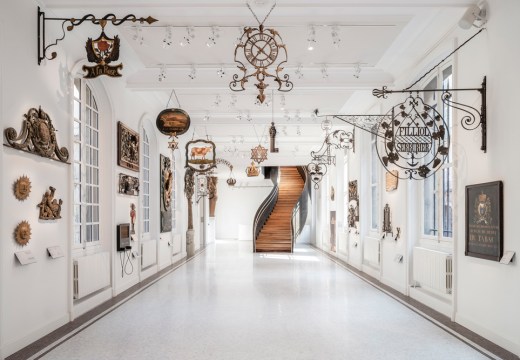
13 346
375 273
507 344
146 273
430 300
125 286
90 303
394 285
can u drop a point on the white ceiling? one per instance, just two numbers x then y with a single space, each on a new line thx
386 37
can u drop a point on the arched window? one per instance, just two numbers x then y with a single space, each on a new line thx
374 185
86 166
145 188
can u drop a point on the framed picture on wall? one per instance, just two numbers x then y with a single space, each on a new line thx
484 220
127 147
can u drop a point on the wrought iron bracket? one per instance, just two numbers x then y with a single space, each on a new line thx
43 46
472 118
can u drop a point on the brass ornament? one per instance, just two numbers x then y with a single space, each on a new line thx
22 188
38 136
252 170
22 233
50 208
102 51
259 154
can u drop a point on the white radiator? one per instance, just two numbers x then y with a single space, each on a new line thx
91 273
433 269
148 253
371 250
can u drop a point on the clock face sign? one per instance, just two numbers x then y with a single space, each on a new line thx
261 50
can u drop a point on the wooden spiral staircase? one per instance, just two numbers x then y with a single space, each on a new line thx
275 235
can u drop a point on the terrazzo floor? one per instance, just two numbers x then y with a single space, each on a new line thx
229 303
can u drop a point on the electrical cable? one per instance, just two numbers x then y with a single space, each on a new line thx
124 257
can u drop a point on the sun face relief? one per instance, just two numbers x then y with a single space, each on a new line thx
261 50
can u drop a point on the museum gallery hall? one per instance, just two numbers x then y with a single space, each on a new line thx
259 179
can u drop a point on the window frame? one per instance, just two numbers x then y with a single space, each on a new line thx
438 177
89 149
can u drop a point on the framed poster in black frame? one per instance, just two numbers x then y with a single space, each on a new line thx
485 220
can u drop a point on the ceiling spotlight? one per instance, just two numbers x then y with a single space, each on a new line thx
297 116
357 70
213 36
241 141
239 116
336 40
193 72
188 37
233 101
298 72
298 131
286 116
314 116
311 38
221 72
168 37
206 117
473 14
284 130
162 73
324 71
248 116
138 35
282 102
217 101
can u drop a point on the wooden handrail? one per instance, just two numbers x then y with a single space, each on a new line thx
301 208
267 206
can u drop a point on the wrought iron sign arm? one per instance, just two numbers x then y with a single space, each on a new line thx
42 20
470 121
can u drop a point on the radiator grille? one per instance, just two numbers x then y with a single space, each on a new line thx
90 273
433 269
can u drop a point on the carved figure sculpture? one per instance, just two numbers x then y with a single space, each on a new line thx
50 208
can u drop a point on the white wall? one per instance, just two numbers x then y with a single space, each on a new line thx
486 293
37 298
236 206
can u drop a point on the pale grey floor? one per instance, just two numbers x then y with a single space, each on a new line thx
229 303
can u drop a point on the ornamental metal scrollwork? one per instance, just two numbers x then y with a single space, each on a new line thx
38 136
261 48
415 139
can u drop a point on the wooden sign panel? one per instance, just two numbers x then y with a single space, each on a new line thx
173 122
391 179
484 220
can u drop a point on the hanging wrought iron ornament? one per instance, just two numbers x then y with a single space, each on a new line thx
416 139
261 48
231 181
102 51
259 154
74 21
338 139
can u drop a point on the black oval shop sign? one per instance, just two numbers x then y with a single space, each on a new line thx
173 122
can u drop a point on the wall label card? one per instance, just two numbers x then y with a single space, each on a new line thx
25 257
55 252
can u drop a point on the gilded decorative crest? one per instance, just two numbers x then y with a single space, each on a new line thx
102 51
50 208
22 233
483 210
127 147
37 136
200 155
166 188
391 180
22 188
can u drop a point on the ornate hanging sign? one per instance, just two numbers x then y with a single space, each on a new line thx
261 48
252 170
173 122
38 136
416 139
102 51
200 155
